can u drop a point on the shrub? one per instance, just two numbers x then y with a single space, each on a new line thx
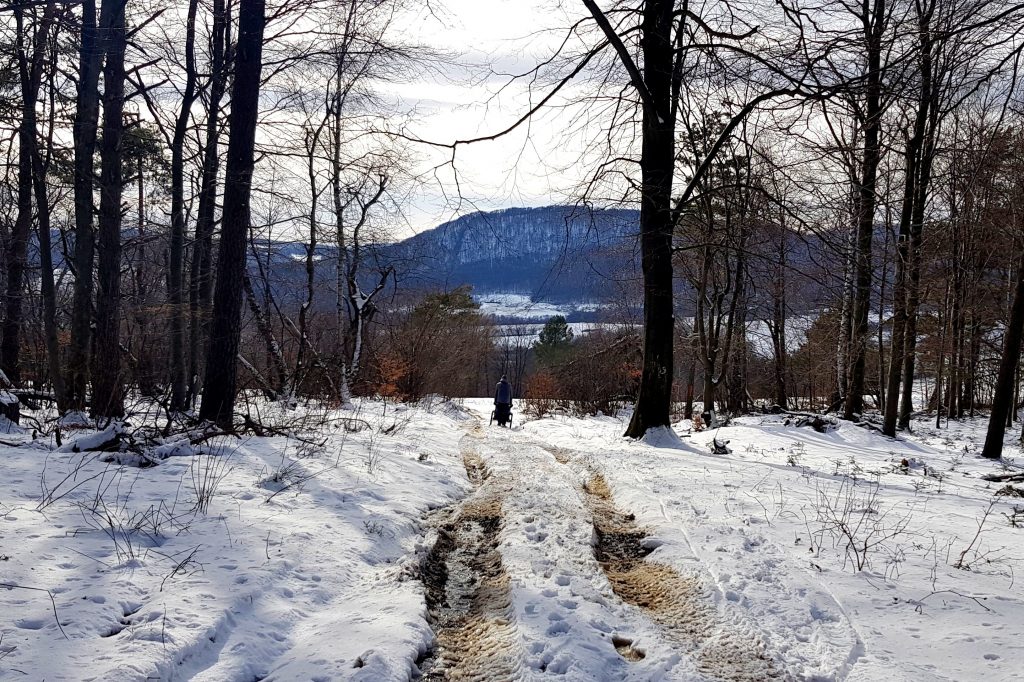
540 396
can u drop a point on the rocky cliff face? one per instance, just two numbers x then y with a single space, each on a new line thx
525 250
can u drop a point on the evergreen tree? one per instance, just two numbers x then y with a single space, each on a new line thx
554 342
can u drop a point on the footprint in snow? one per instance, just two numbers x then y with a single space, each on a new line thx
30 624
558 628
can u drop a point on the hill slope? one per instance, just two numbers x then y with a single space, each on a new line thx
558 252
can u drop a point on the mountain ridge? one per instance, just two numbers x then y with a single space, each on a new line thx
523 250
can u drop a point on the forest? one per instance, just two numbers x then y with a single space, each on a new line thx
858 162
870 150
249 426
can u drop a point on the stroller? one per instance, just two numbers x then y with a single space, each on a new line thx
502 414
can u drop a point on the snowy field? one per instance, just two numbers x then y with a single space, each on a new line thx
521 306
301 567
374 544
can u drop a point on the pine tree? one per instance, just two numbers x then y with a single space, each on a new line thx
554 341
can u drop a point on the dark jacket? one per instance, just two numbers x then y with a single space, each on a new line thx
503 393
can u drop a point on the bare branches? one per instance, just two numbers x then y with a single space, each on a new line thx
53 603
628 63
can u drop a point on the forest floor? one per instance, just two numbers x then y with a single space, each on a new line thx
387 542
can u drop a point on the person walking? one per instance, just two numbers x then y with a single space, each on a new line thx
503 401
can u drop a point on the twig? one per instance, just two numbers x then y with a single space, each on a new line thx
981 525
977 600
12 586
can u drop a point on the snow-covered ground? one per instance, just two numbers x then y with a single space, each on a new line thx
777 527
568 552
300 568
522 306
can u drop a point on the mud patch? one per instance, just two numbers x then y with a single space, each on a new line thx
678 603
561 455
467 590
626 649
474 464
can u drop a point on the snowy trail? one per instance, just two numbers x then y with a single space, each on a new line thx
757 588
678 602
583 600
750 523
453 551
467 588
571 623
752 595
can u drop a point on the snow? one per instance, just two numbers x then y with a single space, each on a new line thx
300 557
753 521
299 568
664 437
92 440
523 307
759 334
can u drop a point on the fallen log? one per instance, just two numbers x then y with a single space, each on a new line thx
107 440
1003 478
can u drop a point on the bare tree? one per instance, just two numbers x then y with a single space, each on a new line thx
668 38
1003 399
107 381
200 272
40 166
31 48
91 47
875 19
176 260
222 366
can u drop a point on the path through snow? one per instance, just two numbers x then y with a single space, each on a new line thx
556 550
540 573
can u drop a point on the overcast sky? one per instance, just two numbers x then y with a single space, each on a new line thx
531 167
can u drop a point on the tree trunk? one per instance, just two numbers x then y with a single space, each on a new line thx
875 26
906 408
737 390
690 377
47 284
911 188
1002 401
916 255
780 352
657 163
200 279
845 323
275 357
30 67
108 388
957 348
86 119
176 256
225 334
312 140
880 331
937 394
708 397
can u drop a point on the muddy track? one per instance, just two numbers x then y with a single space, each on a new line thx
467 588
678 603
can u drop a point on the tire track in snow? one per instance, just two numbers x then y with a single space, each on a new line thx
468 595
571 624
678 603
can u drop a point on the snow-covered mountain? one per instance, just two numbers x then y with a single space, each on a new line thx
557 252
